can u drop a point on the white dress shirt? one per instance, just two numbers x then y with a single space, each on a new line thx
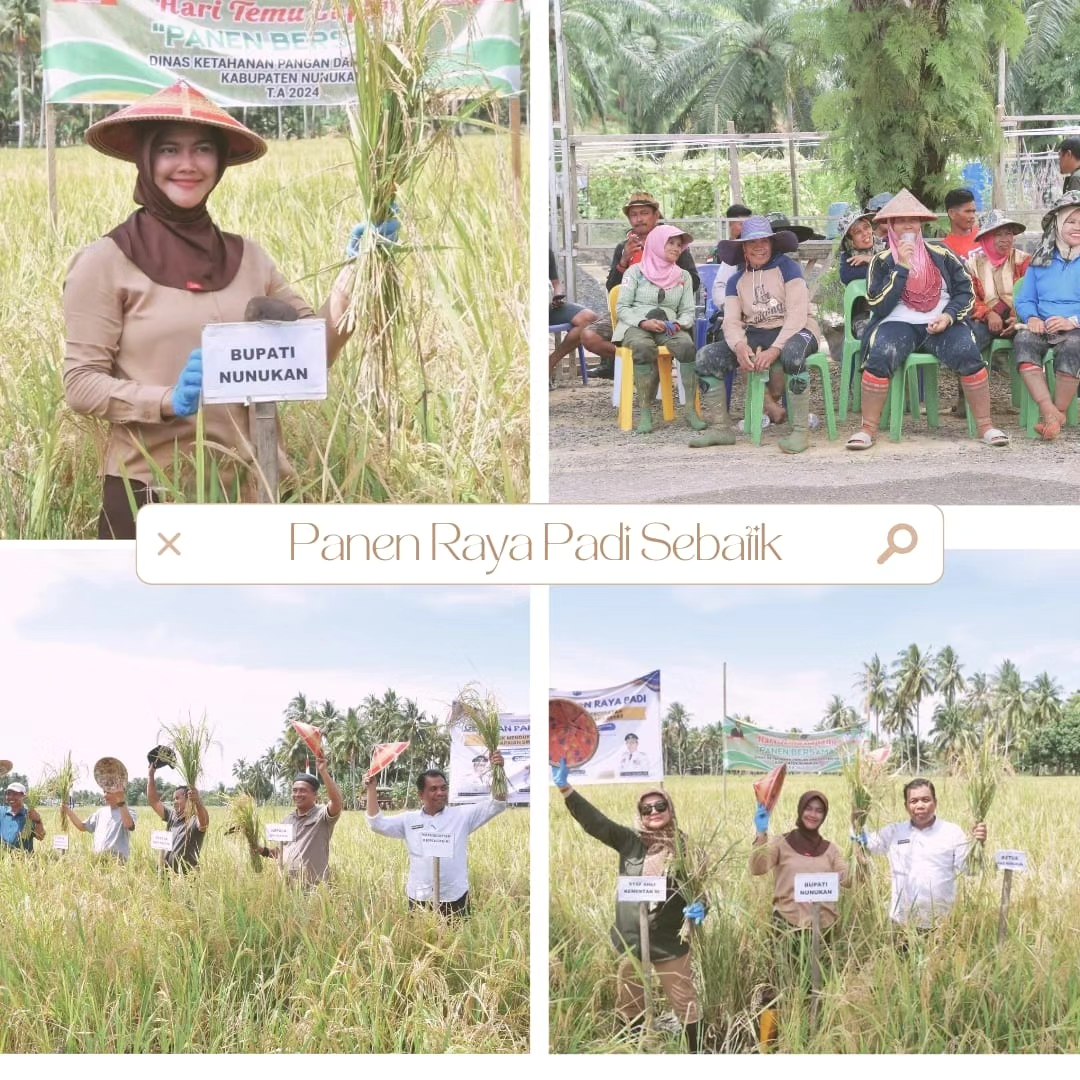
456 821
925 864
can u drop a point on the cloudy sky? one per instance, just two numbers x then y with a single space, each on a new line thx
93 661
788 649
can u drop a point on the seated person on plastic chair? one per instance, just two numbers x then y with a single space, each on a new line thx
767 327
560 313
1048 302
858 245
995 267
656 307
920 299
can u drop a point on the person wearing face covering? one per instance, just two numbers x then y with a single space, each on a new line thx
803 850
136 300
1048 309
656 307
648 848
921 300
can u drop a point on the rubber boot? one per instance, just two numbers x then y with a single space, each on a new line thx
768 1030
688 371
798 415
714 401
646 381
692 1035
1053 419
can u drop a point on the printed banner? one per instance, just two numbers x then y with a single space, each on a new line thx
628 720
470 769
754 749
250 52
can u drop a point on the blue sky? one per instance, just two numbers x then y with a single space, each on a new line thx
789 649
94 661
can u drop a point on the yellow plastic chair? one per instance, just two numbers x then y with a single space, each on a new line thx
624 375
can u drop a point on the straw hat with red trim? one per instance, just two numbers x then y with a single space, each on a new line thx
118 135
904 205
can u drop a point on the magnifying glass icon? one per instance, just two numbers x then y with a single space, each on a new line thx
893 548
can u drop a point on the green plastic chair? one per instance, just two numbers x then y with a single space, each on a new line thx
906 393
1016 383
852 346
755 398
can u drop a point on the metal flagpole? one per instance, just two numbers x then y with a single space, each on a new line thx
566 181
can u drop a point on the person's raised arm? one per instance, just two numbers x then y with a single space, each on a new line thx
202 815
77 822
152 796
334 804
118 801
371 800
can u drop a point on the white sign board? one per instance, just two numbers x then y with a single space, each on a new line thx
470 767
437 844
1011 860
816 888
161 840
60 842
282 833
642 889
264 361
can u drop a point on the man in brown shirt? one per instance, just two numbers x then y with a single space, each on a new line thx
307 856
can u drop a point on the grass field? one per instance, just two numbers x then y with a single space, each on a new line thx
104 958
956 991
457 429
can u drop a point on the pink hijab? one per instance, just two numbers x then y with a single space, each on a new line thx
923 289
654 266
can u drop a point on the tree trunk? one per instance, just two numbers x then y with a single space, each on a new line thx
19 93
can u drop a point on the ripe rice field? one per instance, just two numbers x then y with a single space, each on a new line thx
955 991
457 427
106 958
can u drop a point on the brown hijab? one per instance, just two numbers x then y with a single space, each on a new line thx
808 841
659 843
178 248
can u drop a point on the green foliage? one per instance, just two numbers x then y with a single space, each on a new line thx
1055 749
914 85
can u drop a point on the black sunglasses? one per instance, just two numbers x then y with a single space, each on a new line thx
645 809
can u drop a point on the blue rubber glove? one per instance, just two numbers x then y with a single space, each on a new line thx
861 839
695 912
761 819
186 393
561 774
672 328
388 230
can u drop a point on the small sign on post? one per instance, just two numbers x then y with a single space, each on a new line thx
161 840
648 890
281 832
60 842
816 889
1010 862
438 845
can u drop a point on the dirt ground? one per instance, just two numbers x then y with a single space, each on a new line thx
592 461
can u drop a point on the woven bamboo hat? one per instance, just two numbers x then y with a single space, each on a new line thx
904 205
120 134
110 774
5 766
995 220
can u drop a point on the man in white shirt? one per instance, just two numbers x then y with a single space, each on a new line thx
111 825
633 761
926 855
435 832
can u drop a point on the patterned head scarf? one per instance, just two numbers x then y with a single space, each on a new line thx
659 843
1052 242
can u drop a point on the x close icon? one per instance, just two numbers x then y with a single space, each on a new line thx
168 544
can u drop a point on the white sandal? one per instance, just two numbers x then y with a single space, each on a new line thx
860 440
995 437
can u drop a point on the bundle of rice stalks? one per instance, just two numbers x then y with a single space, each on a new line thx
864 772
696 869
61 784
243 821
981 767
401 120
480 711
190 741
34 796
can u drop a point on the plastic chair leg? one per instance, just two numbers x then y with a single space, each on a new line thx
820 363
624 375
667 395
755 404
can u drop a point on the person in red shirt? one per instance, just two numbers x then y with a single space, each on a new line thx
963 222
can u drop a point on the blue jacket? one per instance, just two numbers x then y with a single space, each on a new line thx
1046 291
849 273
11 827
885 284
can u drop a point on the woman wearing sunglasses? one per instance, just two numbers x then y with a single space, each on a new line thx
647 849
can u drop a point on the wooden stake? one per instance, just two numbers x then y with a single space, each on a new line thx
815 961
435 890
515 144
1003 916
50 160
646 962
733 162
266 449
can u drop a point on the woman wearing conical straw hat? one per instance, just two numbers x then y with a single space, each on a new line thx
921 299
136 301
1048 307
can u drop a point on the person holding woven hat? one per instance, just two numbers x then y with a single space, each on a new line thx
1048 307
920 299
656 307
766 327
858 244
111 825
136 300
647 849
995 266
643 213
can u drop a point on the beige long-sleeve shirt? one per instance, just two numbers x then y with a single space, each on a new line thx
778 855
773 298
129 338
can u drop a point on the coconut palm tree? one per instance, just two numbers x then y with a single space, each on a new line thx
914 682
952 730
674 732
19 24
1010 706
948 675
1044 705
978 701
838 714
873 684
